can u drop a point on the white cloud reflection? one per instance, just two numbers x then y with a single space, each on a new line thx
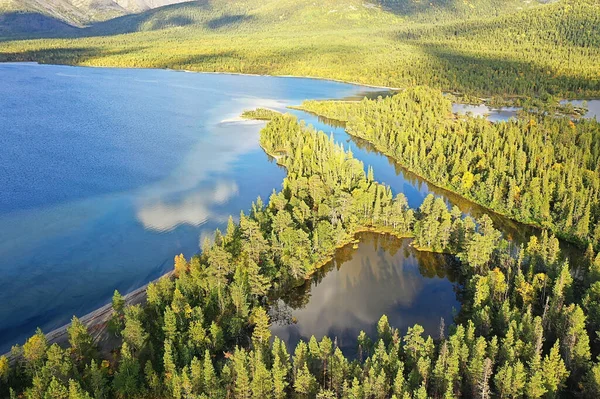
204 180
194 209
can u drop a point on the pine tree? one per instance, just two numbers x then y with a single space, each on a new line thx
305 383
56 390
262 382
280 373
82 344
384 331
181 265
554 370
211 382
535 385
575 342
34 352
116 322
399 381
97 379
126 380
134 333
75 391
261 333
4 369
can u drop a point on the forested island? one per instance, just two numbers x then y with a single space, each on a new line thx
522 330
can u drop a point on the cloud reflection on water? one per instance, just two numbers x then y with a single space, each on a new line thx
382 276
194 209
95 166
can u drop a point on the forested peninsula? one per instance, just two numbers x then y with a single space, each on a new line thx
540 168
521 330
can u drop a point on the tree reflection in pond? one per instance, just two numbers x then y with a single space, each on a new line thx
384 275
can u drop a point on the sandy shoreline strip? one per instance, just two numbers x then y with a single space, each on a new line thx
96 322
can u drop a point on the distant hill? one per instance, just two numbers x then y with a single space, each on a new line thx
481 47
304 15
81 13
72 12
55 17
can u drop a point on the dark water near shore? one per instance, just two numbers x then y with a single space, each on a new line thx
107 174
383 275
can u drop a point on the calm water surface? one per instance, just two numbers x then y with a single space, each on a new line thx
384 275
106 174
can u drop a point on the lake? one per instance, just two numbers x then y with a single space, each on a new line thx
107 174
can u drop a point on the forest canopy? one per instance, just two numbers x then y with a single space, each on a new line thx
539 168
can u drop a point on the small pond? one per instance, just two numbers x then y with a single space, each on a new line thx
381 275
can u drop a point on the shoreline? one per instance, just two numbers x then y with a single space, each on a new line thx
533 225
483 97
96 320
214 73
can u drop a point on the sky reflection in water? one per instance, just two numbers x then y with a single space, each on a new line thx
382 276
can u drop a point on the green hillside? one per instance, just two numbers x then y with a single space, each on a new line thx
479 47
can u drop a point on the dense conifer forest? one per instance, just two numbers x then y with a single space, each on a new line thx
527 326
541 168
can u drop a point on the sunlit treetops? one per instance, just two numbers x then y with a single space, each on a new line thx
538 168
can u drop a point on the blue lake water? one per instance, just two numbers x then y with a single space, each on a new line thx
107 174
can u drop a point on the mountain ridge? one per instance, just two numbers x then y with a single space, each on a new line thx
80 13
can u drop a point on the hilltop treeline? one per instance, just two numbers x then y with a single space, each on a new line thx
522 330
539 169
